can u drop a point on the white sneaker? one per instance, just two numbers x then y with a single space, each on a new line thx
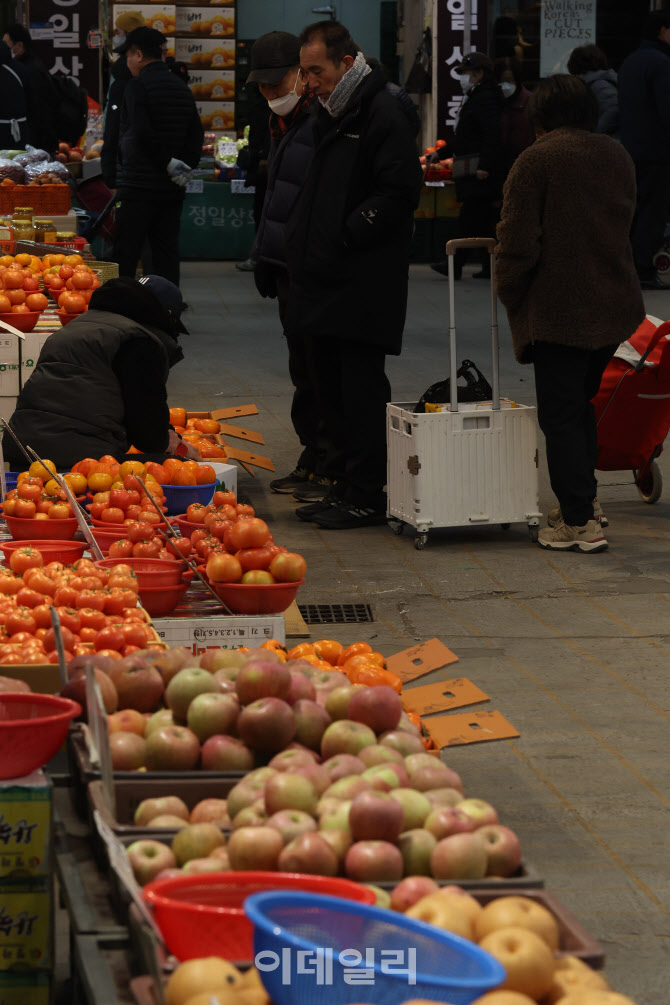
562 537
554 516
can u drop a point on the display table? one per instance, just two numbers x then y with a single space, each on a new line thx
217 223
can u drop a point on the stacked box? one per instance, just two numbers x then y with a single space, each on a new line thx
206 43
162 17
18 358
26 890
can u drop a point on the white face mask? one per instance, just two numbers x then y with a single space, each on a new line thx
287 102
466 83
507 88
118 39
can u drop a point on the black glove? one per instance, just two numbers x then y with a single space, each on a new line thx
265 279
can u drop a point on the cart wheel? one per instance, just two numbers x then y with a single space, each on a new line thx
649 483
420 541
505 526
397 526
533 532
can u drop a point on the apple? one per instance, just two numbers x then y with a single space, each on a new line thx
212 713
406 725
446 820
250 816
163 717
379 755
217 659
196 841
138 684
211 810
247 790
267 725
172 748
518 912
184 687
75 690
169 873
311 721
290 760
301 687
309 853
373 862
128 751
347 787
158 806
379 707
525 956
343 765
314 754
336 818
416 847
148 858
255 848
503 850
415 807
426 772
128 720
316 775
337 700
226 753
168 821
340 841
171 661
445 913
223 684
481 812
196 866
404 743
459 856
291 824
374 816
410 890
382 897
443 797
222 854
386 776
346 737
287 791
262 679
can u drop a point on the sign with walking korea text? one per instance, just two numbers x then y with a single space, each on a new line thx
565 24
450 25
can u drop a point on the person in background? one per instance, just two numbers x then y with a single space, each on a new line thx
254 159
160 142
120 75
100 383
13 122
591 64
478 132
517 132
565 274
347 240
41 96
644 128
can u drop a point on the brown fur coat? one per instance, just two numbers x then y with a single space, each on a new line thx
564 268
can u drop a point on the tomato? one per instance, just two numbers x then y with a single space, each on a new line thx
139 531
42 616
53 656
180 547
25 558
288 567
198 535
149 516
91 598
65 596
91 618
110 638
89 634
9 507
115 601
258 577
101 497
8 587
133 614
206 545
219 527
97 509
27 597
69 618
254 558
34 656
121 549
20 620
243 510
195 513
121 580
251 533
222 498
25 509
31 488
135 634
72 303
223 568
85 582
113 514
20 638
147 549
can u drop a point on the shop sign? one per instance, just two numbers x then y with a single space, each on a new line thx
61 31
450 27
564 25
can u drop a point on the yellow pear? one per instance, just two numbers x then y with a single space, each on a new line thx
193 977
443 912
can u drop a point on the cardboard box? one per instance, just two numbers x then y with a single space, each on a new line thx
31 988
9 364
26 925
200 634
206 53
217 114
25 827
212 85
31 348
162 17
206 22
7 406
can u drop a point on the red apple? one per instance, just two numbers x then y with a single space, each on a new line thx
184 687
75 689
211 810
343 765
291 824
311 721
379 755
410 890
226 753
128 751
148 858
503 850
416 846
404 743
255 848
309 853
346 737
415 807
148 809
337 700
171 661
198 866
375 816
262 679
446 820
460 856
172 748
267 725
212 713
373 862
287 791
301 687
481 812
427 772
379 707
196 841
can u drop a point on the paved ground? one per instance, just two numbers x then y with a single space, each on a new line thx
574 650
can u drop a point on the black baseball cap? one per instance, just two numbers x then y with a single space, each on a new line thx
143 37
272 56
169 295
474 61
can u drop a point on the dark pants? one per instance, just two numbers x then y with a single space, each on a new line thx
651 214
477 218
304 411
566 380
156 222
352 390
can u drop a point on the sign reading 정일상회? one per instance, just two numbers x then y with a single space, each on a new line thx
565 25
450 25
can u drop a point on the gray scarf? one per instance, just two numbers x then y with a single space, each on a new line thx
338 100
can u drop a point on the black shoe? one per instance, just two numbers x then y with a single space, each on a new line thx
248 265
309 512
345 516
443 269
484 274
291 482
653 284
316 489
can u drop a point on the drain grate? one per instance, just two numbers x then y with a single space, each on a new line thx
336 614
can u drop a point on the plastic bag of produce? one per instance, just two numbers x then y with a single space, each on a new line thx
10 169
31 156
47 172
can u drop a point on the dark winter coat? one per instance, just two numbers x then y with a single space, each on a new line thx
644 102
41 102
603 84
479 131
72 406
349 234
564 268
13 119
517 132
120 77
159 121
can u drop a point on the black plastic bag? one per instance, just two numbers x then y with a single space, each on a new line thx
476 388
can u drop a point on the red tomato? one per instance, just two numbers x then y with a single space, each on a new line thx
27 597
218 527
10 586
223 568
97 509
42 616
121 549
198 535
251 533
30 488
149 516
91 598
20 620
243 510
59 511
288 567
224 499
139 531
257 577
65 596
133 511
112 653
180 546
53 656
254 558
114 601
91 618
89 634
146 549
196 512
69 618
206 545
43 582
110 638
50 639
113 514
135 634
25 558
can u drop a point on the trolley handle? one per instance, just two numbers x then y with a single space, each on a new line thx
452 246
661 332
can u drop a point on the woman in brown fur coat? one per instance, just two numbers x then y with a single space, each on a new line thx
565 275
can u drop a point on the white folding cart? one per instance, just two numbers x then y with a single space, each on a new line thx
470 464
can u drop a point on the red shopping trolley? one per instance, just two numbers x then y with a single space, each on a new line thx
633 407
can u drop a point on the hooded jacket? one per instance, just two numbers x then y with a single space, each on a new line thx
120 78
349 233
644 102
100 382
603 84
13 121
41 102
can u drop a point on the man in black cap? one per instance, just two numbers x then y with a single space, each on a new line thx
160 142
99 386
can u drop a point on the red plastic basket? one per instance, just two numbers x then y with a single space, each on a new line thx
43 198
150 572
269 598
204 915
32 728
49 530
158 601
67 552
184 526
66 318
22 322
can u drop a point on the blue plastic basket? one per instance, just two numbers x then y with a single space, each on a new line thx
178 497
322 929
11 477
